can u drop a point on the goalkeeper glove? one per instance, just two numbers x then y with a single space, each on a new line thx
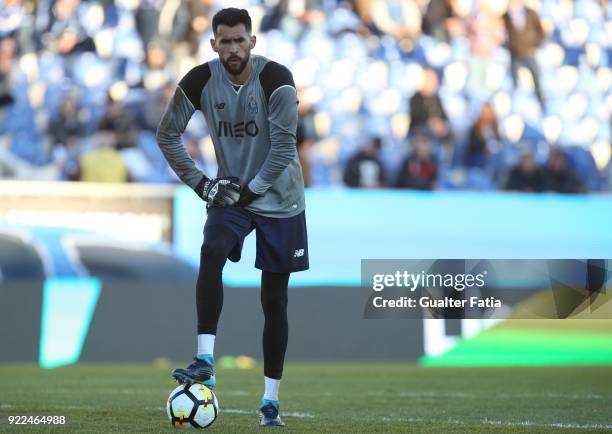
219 191
247 197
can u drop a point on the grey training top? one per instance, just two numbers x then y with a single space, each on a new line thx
253 129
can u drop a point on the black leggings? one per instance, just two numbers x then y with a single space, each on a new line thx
218 243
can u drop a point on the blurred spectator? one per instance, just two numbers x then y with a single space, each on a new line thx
303 145
191 22
426 108
103 163
159 70
483 135
526 176
118 120
67 126
419 171
147 20
8 48
440 20
363 9
292 17
156 55
156 105
12 16
65 33
365 169
525 35
400 19
559 177
272 20
306 134
486 34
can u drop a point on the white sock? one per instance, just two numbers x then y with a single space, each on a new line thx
206 344
271 391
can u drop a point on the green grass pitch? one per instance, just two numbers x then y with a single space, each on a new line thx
317 397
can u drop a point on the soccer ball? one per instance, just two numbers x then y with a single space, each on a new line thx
192 406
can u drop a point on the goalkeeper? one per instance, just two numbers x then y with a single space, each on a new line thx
250 107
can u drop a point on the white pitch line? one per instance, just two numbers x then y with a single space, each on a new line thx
59 407
435 395
74 407
553 424
299 414
499 423
289 414
236 411
577 396
428 394
241 411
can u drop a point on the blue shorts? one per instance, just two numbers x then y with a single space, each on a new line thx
282 243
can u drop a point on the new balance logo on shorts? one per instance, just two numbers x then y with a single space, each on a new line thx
298 253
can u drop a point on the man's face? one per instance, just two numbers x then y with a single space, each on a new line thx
430 82
557 162
233 45
528 164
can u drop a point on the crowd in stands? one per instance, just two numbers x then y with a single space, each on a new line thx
416 94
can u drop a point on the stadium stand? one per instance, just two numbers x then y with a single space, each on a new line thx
73 66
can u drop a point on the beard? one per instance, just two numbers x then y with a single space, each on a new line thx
237 70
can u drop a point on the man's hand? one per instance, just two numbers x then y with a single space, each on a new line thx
247 197
219 191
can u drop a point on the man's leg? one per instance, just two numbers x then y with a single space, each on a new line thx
282 248
276 331
515 64
218 243
534 69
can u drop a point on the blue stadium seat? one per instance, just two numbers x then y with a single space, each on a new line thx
582 162
28 146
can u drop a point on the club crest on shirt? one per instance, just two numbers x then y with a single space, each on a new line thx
252 104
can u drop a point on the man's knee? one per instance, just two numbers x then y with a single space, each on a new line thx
217 246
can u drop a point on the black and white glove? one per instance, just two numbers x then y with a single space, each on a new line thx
247 197
219 191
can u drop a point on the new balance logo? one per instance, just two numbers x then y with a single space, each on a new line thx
298 253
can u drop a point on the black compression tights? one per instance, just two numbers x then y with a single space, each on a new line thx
218 243
276 327
217 246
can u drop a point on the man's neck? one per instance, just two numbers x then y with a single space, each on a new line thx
243 76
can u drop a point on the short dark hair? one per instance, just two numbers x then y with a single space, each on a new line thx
231 17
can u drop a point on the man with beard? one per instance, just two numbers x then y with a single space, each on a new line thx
250 106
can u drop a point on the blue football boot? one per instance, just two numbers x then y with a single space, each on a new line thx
200 371
269 413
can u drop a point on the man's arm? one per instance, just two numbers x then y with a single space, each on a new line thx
279 89
184 103
539 30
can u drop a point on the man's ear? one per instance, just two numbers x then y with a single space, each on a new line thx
253 41
212 44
